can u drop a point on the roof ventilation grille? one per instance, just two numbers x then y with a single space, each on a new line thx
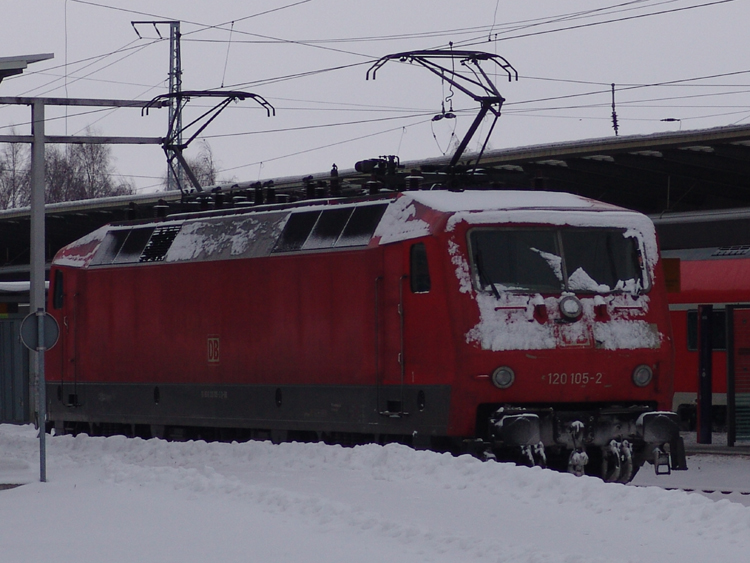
740 250
159 243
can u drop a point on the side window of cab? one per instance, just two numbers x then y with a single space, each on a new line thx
419 271
57 290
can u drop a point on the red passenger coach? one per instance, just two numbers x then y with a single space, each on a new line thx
521 325
712 254
711 277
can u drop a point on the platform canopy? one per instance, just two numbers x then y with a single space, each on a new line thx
660 174
10 66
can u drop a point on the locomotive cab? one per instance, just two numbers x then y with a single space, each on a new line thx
571 355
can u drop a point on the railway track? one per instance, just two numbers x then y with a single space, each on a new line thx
708 491
740 496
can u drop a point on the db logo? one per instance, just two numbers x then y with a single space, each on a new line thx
213 349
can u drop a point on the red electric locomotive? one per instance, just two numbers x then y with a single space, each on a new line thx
524 325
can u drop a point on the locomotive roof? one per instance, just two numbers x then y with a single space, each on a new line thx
485 200
333 224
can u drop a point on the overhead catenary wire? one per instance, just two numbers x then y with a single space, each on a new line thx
482 40
226 60
511 107
329 69
555 18
328 145
203 27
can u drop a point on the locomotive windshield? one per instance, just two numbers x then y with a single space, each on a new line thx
582 260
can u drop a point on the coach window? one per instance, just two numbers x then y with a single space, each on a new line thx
718 324
419 275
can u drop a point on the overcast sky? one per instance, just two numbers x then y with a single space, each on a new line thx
682 60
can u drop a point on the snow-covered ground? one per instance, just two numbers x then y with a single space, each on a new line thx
128 500
715 476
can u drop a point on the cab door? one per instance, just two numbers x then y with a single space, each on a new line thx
390 328
65 303
413 330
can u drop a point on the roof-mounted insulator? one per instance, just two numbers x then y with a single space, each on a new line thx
270 191
414 181
335 185
309 188
257 193
160 209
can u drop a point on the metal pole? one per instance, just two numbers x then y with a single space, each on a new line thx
705 349
175 105
37 293
731 404
40 313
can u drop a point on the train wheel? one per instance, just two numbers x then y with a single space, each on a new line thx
577 462
611 462
627 471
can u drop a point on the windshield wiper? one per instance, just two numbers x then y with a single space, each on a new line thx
483 279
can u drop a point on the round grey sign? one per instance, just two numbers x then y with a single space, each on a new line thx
30 331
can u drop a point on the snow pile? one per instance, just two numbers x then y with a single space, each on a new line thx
117 499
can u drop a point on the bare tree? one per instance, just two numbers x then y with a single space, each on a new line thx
81 172
14 176
72 172
203 166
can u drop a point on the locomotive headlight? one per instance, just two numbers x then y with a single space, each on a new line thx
642 375
571 307
503 377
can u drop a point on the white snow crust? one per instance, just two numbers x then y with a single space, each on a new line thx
400 222
128 500
226 237
14 287
482 200
508 323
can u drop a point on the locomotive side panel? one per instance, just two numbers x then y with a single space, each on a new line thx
289 341
275 320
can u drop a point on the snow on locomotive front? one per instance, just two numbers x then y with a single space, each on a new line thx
566 357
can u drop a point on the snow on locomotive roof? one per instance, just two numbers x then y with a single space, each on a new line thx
406 217
484 200
336 224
